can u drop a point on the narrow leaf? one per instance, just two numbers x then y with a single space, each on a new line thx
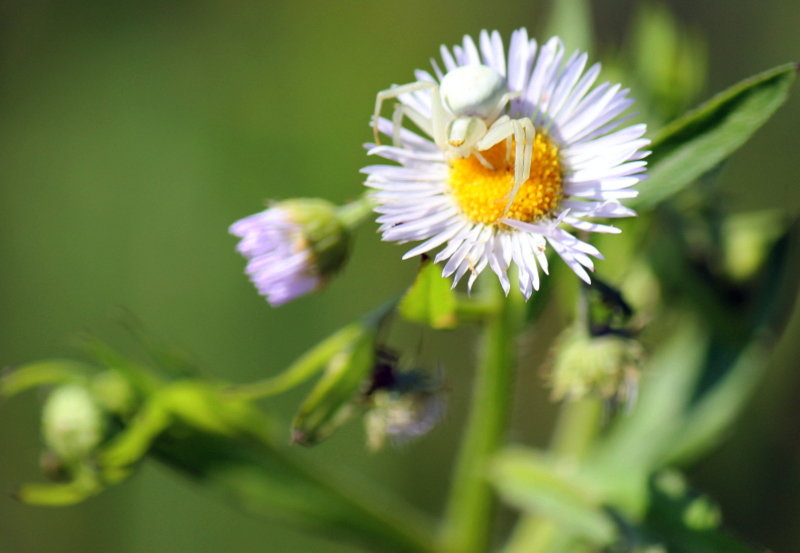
267 482
695 143
542 486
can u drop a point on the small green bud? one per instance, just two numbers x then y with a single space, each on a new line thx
606 365
72 422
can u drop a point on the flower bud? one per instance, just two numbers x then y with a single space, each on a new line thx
606 365
293 247
72 422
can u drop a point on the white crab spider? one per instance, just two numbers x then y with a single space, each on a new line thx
466 118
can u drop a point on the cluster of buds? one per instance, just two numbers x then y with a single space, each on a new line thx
599 354
82 413
607 365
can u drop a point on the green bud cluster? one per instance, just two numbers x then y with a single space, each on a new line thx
606 365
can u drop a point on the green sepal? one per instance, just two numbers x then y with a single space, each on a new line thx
323 232
431 300
330 402
697 142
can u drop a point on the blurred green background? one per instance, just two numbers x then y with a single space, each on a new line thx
132 135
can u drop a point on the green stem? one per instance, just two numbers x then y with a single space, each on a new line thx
314 360
577 426
356 212
468 515
301 370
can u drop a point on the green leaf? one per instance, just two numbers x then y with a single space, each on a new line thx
699 381
735 367
330 402
42 373
639 442
692 145
539 485
431 301
267 482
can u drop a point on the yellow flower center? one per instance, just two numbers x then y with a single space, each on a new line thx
483 193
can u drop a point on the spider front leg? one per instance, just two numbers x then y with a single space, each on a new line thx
501 129
524 135
420 120
501 105
394 92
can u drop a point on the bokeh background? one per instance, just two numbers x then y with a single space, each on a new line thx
133 134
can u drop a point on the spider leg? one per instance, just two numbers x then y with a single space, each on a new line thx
394 92
524 134
438 119
420 120
483 160
530 136
500 130
504 99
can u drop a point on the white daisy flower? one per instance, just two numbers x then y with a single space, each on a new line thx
514 151
292 247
